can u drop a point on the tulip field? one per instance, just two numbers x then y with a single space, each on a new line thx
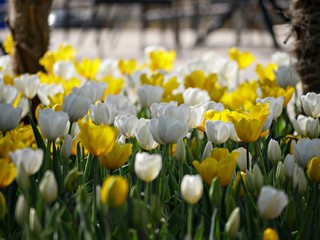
127 149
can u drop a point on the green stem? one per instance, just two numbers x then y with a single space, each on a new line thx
87 167
258 151
213 223
248 156
94 185
47 159
30 109
190 221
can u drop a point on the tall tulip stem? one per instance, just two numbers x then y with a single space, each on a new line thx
190 221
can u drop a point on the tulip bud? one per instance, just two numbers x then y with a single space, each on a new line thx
250 182
218 131
313 169
274 151
34 223
76 105
9 117
271 202
233 223
48 187
66 147
280 172
21 213
114 191
289 165
191 188
270 234
180 151
195 96
147 166
242 158
312 128
215 192
207 150
299 180
3 206
257 177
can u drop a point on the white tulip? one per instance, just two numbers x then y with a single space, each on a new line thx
48 90
8 93
274 151
195 96
207 150
9 117
144 136
212 105
299 180
217 131
167 130
281 58
91 90
311 104
99 87
257 177
271 202
123 104
289 165
233 223
157 109
52 124
300 124
312 128
242 158
286 76
180 151
64 69
149 94
181 113
34 222
305 149
103 113
30 159
48 187
126 124
108 67
27 84
196 116
191 188
147 166
76 106
6 65
66 147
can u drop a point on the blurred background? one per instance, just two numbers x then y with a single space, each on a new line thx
122 28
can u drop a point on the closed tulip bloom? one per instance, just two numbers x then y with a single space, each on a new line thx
8 173
9 117
157 109
8 93
149 94
66 147
21 213
289 165
28 85
257 177
103 113
117 157
34 222
167 130
242 158
126 124
313 169
270 234
31 159
191 188
181 113
305 149
233 223
271 202
98 140
76 106
274 151
196 116
180 151
218 132
144 136
52 124
310 104
195 96
48 187
207 150
147 166
24 105
312 128
300 124
114 191
286 76
299 180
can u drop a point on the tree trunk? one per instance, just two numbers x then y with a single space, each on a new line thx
306 25
28 22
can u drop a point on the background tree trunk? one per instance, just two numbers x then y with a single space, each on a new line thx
306 25
28 22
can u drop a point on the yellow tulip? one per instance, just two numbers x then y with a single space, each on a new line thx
115 85
8 173
220 164
98 140
8 44
195 79
266 73
175 97
114 191
214 115
161 60
169 86
117 157
270 234
313 169
88 68
277 91
244 59
127 66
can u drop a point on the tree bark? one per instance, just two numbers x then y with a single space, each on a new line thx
306 25
28 22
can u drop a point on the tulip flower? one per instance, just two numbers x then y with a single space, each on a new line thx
8 93
9 117
91 90
147 166
281 58
242 158
195 96
233 223
244 59
47 91
207 150
34 222
271 202
126 124
28 85
220 164
8 173
270 234
76 106
30 159
48 187
288 166
66 147
159 58
312 128
157 109
313 169
127 66
191 188
114 191
117 157
180 151
218 132
196 116
286 76
149 94
52 124
181 113
274 151
123 104
167 130
103 113
299 180
305 149
310 104
64 69
98 140
144 136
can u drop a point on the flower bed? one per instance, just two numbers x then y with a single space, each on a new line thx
127 150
